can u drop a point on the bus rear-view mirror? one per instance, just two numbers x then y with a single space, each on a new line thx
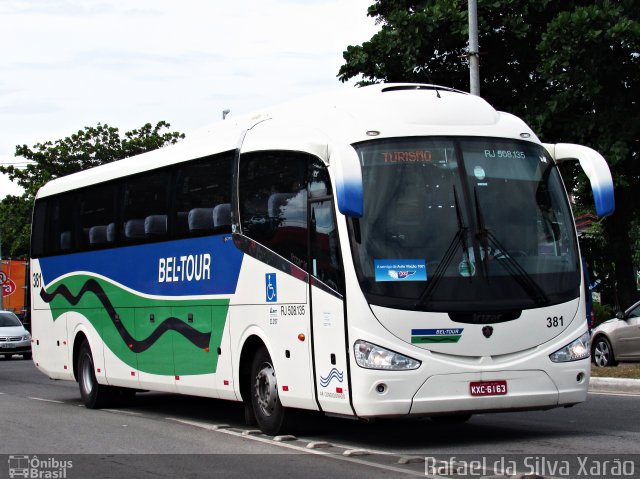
596 169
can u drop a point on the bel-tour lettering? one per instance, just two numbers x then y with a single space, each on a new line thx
193 267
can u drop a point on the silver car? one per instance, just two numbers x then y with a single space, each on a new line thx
617 339
14 339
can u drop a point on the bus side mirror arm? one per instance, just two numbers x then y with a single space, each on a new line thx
348 180
596 169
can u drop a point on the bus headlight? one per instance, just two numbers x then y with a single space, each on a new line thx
370 356
574 351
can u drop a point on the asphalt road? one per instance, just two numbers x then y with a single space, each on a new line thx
163 435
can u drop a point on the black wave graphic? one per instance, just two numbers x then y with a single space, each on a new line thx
437 340
201 340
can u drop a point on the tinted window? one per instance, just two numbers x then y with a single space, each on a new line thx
145 206
273 202
191 198
97 215
38 230
456 224
203 196
61 230
325 256
325 260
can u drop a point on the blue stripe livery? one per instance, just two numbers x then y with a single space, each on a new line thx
196 266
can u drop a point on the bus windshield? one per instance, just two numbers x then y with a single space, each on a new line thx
463 224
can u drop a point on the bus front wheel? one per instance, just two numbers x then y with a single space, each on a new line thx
267 408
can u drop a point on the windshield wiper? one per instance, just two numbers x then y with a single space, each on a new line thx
482 236
459 238
486 238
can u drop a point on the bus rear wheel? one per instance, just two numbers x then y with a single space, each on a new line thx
94 395
267 408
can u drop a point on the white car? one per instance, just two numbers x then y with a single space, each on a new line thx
14 339
617 339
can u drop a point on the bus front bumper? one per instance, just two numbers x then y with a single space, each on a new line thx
509 390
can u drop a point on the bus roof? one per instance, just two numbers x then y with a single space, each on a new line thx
345 116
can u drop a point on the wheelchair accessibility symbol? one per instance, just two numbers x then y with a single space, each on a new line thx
271 288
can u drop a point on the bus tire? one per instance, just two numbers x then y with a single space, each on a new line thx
267 408
94 395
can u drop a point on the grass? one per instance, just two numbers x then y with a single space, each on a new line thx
622 370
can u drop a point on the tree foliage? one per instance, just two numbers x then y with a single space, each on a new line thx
571 69
15 226
89 147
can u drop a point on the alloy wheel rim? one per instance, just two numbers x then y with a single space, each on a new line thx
266 389
87 376
602 353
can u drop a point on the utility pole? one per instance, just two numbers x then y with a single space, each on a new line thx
1 275
473 54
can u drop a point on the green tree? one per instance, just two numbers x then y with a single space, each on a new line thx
593 74
15 226
89 147
570 69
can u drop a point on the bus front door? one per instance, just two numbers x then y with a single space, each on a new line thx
327 310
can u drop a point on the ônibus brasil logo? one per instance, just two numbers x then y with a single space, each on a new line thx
34 467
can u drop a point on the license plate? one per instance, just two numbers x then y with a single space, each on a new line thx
7 345
488 388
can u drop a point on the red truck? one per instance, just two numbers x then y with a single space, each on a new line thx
15 289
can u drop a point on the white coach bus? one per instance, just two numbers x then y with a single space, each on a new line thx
388 251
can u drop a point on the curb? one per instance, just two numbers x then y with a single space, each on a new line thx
614 385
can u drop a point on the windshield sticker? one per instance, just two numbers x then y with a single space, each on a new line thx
432 336
400 270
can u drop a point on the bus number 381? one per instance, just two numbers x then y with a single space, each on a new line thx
554 322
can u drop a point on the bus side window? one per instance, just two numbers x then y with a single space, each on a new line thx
319 182
97 215
325 258
203 197
38 234
62 231
145 206
273 202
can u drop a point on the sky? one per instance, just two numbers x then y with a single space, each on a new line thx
67 64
